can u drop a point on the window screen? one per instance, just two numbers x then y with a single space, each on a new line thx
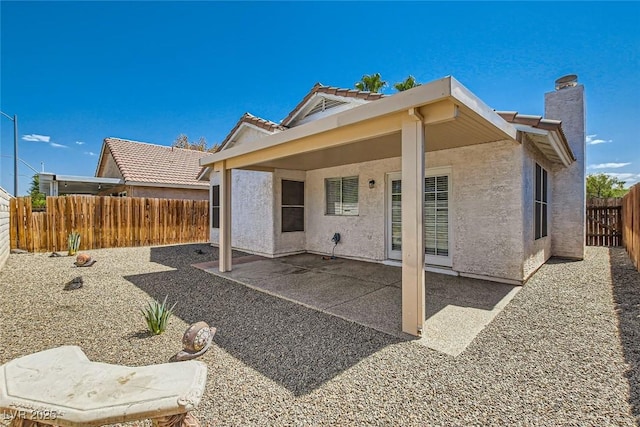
215 206
292 206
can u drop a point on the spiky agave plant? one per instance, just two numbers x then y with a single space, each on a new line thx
157 315
73 242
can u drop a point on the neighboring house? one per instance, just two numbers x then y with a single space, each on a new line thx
149 170
430 177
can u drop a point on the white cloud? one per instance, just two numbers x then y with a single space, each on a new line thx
79 142
609 165
592 140
54 145
90 153
36 138
628 178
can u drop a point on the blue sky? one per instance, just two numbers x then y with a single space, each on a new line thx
77 72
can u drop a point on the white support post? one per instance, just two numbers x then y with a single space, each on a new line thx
413 277
224 243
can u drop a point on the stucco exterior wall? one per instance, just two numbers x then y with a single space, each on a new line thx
293 241
568 211
168 193
247 134
362 236
486 209
4 227
252 211
536 252
110 168
489 223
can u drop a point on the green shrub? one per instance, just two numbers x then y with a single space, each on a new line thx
74 242
157 315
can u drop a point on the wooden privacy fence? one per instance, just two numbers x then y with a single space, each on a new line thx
631 224
107 222
603 222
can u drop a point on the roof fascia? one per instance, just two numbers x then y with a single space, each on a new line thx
421 95
92 179
437 90
167 185
553 139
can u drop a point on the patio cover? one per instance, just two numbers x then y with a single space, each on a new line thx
438 115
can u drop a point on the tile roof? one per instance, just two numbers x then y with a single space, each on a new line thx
150 163
533 121
331 90
256 121
536 122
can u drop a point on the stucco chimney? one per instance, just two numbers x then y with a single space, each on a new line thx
567 104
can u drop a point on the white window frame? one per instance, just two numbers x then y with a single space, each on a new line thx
341 192
542 204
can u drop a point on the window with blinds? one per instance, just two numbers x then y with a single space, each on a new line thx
215 206
292 206
341 196
436 215
540 204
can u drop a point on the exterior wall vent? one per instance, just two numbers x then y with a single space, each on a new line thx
325 104
569 80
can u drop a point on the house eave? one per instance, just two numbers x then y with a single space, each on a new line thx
445 89
549 143
201 186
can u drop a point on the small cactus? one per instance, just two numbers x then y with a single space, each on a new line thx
74 242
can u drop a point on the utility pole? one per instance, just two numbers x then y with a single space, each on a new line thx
15 151
15 165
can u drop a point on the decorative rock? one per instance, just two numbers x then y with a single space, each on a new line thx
75 283
84 260
196 341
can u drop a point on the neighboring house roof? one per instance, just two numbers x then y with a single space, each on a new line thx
331 91
141 163
556 149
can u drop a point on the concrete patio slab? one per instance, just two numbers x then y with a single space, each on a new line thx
318 289
451 326
378 310
457 308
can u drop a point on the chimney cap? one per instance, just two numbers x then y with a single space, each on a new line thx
570 80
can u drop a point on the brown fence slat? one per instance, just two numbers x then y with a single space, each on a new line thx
105 222
631 224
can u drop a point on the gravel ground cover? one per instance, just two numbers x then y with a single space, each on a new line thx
563 352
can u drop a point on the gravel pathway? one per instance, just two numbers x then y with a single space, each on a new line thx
563 352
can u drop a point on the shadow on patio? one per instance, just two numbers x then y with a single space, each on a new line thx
369 294
626 296
295 346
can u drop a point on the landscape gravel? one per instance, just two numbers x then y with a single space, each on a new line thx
563 352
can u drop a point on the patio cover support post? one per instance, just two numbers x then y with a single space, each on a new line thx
413 277
224 243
